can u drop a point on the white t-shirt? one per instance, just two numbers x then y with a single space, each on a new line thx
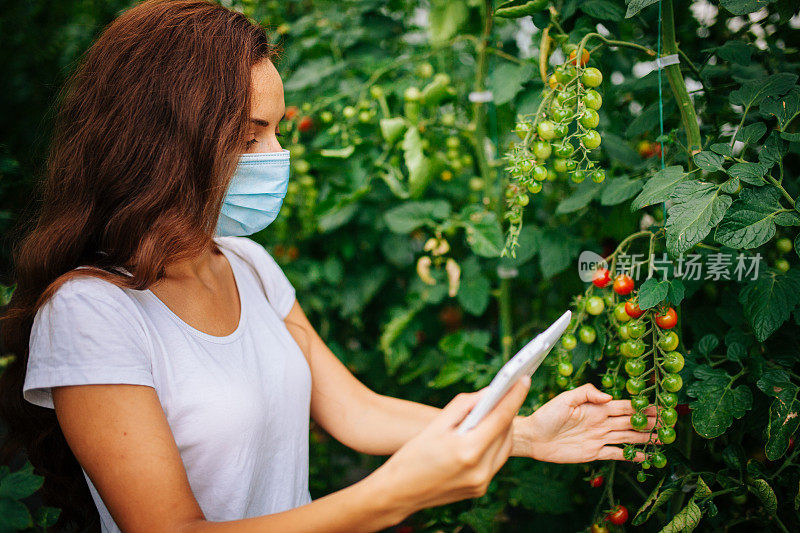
238 405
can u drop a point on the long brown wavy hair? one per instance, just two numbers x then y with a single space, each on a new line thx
145 141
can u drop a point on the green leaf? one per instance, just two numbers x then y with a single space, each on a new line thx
785 108
752 173
634 6
797 245
473 295
784 413
581 196
310 72
620 151
652 503
481 519
750 221
736 51
708 161
652 292
722 149
619 190
730 186
20 484
541 492
507 79
698 207
764 492
556 252
752 92
743 7
603 10
658 188
445 19
451 372
718 401
752 133
676 291
46 516
407 217
769 301
686 519
395 355
708 344
773 151
419 166
648 119
702 490
14 515
484 234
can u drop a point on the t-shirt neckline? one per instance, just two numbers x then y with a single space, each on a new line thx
225 339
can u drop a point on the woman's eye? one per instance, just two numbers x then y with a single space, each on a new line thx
278 134
251 142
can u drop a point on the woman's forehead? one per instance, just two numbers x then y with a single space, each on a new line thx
267 89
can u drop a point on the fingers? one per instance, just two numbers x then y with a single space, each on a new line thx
619 423
587 393
623 407
630 437
455 411
503 413
613 453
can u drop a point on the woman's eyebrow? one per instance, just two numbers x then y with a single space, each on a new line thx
260 122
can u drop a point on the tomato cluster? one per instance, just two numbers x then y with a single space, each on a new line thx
556 141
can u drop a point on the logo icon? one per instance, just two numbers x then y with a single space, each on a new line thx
588 262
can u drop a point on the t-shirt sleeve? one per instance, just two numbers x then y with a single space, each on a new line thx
280 291
86 333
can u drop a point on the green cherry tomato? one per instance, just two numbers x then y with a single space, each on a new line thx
636 329
565 369
535 187
668 341
782 265
587 334
565 97
659 460
591 139
635 386
542 150
560 165
563 150
641 477
672 383
608 381
599 175
592 77
620 314
578 176
669 399
589 118
645 465
623 334
561 130
349 111
669 416
619 382
592 99
783 245
562 381
569 342
412 94
546 130
608 297
560 114
616 394
634 367
666 435
673 362
595 305
639 403
571 165
565 74
526 166
539 173
629 453
634 348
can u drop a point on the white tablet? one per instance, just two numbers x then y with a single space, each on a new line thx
526 361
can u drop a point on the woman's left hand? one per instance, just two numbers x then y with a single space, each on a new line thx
579 426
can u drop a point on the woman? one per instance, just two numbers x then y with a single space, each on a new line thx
163 361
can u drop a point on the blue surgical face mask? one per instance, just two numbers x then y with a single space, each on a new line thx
255 193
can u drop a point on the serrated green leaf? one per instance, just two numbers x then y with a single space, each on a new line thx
676 291
652 292
718 401
484 234
708 344
46 516
619 190
473 295
556 252
648 119
764 492
752 92
708 161
580 197
14 515
752 173
769 300
407 217
658 188
620 151
20 484
750 221
634 6
507 80
445 19
702 490
784 413
730 186
603 10
697 208
686 519
751 133
784 108
736 51
652 503
773 151
722 149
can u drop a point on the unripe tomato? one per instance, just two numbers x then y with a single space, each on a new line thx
782 265
565 369
591 139
584 57
672 383
578 176
595 305
599 175
673 362
542 150
634 387
539 173
668 341
669 399
597 528
634 367
623 285
565 74
546 130
587 334
668 319
563 150
592 77
783 245
326 117
639 403
636 329
666 435
645 465
608 297
607 381
623 334
552 81
616 394
560 114
601 277
562 381
376 91
659 460
560 165
635 348
364 116
526 166
452 142
668 415
535 187
619 515
620 313
349 112
596 481
632 308
566 98
569 341
593 100
561 130
446 175
639 421
589 118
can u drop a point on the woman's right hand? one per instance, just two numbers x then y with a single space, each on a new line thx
440 466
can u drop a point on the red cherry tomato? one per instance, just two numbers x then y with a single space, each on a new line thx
623 284
305 124
596 481
292 112
601 278
632 308
668 319
618 515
